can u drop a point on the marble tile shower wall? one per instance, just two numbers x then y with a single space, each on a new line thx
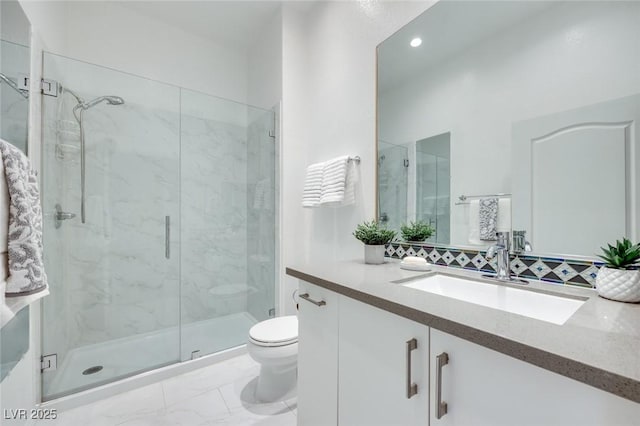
117 280
214 215
261 211
551 269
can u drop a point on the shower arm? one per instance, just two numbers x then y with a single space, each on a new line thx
14 86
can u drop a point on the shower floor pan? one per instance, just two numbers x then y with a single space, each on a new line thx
123 357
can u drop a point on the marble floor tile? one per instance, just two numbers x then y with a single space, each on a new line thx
117 409
221 394
204 409
177 389
240 395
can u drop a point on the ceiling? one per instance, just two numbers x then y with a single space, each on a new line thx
447 29
236 23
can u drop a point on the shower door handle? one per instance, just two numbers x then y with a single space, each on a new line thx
167 237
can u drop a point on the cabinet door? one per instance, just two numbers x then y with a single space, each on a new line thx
485 387
317 356
377 365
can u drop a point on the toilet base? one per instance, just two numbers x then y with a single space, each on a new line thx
274 383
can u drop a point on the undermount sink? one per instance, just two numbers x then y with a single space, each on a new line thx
532 304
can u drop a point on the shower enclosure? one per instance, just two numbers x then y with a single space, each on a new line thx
176 255
392 183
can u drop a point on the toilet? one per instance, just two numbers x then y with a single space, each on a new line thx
274 345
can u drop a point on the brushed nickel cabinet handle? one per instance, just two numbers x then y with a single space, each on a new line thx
315 302
412 388
441 407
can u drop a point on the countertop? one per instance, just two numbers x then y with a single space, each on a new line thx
599 345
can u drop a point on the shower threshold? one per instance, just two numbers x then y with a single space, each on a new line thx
121 358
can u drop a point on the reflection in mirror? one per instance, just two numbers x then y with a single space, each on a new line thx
432 194
538 100
15 32
14 72
392 181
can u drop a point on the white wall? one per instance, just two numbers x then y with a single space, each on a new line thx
264 86
329 103
14 26
478 94
108 34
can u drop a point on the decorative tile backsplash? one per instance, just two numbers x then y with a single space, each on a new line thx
551 269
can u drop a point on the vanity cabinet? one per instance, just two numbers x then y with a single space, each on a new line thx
317 355
383 367
484 387
357 365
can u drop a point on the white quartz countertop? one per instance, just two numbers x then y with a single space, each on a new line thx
598 345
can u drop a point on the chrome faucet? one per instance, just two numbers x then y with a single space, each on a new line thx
501 249
520 244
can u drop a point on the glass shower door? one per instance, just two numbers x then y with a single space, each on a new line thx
114 304
392 184
433 185
228 222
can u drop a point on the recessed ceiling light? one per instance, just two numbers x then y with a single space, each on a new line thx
416 42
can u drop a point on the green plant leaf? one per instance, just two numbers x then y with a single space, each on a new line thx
623 255
371 233
416 231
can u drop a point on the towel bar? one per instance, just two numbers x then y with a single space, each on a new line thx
464 198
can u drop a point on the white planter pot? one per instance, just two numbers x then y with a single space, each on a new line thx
374 255
618 284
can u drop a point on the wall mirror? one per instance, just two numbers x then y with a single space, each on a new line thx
535 104
15 35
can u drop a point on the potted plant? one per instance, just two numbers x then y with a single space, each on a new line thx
416 232
619 278
374 238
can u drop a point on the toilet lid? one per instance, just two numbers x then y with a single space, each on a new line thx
276 330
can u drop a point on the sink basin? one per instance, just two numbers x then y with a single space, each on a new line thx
541 306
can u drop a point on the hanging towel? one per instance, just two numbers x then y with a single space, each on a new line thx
22 272
474 222
24 245
334 181
488 218
313 185
503 223
350 187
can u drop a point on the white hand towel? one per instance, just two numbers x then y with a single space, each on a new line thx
350 187
334 181
313 185
474 222
504 215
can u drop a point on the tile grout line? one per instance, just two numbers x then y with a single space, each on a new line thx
164 396
223 400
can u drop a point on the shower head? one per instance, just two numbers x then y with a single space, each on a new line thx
111 100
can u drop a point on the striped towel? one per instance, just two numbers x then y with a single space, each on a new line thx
313 186
338 186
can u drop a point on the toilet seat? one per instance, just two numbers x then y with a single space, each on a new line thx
281 331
